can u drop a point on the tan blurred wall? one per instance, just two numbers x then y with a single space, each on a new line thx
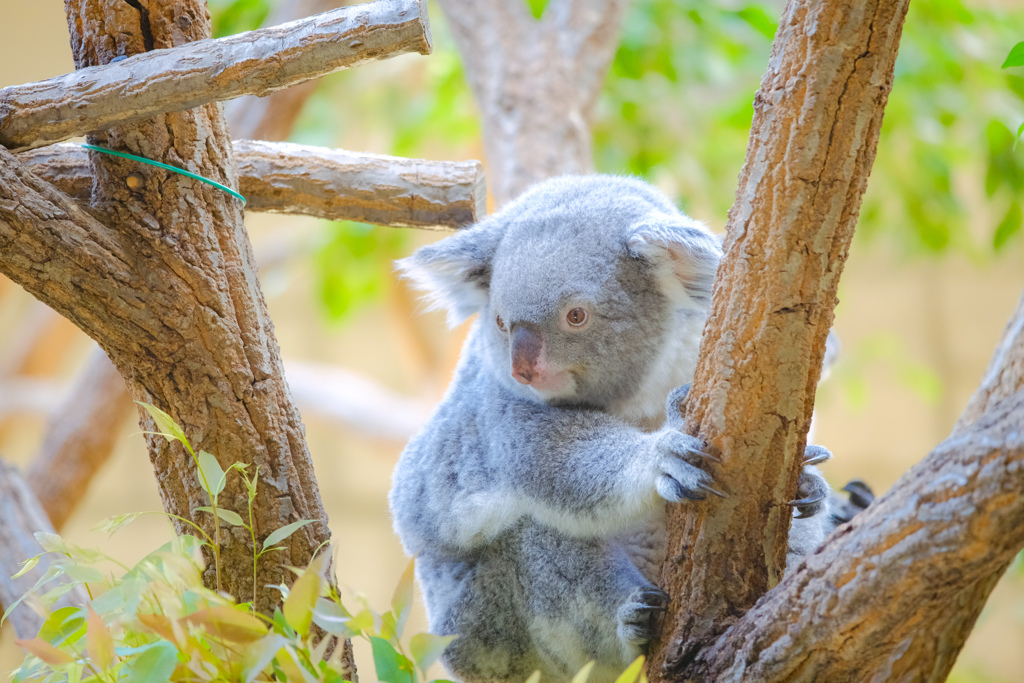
945 315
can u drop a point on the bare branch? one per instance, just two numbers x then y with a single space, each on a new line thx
848 612
80 437
325 183
815 131
20 518
256 63
272 117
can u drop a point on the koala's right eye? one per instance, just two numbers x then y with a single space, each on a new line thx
499 322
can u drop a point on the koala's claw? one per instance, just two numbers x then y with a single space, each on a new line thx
714 492
813 491
679 475
675 404
807 506
636 625
815 455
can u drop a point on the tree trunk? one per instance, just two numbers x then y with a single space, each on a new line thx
817 117
176 304
536 82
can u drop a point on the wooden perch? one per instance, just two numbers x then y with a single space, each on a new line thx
20 518
252 63
334 184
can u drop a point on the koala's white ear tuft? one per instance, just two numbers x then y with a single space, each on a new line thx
455 272
686 252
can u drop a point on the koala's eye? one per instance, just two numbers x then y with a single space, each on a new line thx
499 322
576 317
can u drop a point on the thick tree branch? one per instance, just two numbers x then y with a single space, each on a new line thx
849 612
314 181
178 78
273 116
817 117
20 518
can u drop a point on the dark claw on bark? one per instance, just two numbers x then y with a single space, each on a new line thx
654 595
819 457
860 493
706 456
712 491
809 500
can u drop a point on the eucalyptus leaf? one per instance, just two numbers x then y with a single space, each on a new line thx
284 532
427 647
389 664
211 474
229 516
155 665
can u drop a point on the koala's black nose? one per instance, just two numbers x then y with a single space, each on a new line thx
526 348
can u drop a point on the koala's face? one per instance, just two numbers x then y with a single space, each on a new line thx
579 284
573 317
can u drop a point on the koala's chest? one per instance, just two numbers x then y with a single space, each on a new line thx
646 545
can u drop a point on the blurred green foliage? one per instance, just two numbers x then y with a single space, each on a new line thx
677 108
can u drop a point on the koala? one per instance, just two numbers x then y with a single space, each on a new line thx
534 498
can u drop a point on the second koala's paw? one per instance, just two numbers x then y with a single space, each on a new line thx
679 461
636 623
812 493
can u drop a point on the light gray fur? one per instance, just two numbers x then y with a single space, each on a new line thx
537 516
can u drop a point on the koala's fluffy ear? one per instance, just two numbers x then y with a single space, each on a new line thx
456 271
685 253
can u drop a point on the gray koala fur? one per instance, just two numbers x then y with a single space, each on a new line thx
534 497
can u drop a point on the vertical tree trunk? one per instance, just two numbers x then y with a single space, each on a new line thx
192 335
817 117
536 82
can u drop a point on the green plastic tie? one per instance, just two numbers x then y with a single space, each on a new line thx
166 167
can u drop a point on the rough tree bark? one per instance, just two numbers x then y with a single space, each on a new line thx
951 525
536 82
257 62
169 290
313 181
272 117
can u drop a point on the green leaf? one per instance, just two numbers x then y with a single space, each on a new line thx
298 606
27 566
1008 227
401 601
284 532
332 617
537 7
211 474
52 543
155 665
46 652
583 674
534 677
1016 56
633 672
111 525
361 622
389 664
228 516
259 655
426 648
169 429
99 641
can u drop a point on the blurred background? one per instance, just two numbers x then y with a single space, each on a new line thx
936 268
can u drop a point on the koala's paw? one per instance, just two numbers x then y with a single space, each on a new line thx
636 622
675 405
679 458
812 489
